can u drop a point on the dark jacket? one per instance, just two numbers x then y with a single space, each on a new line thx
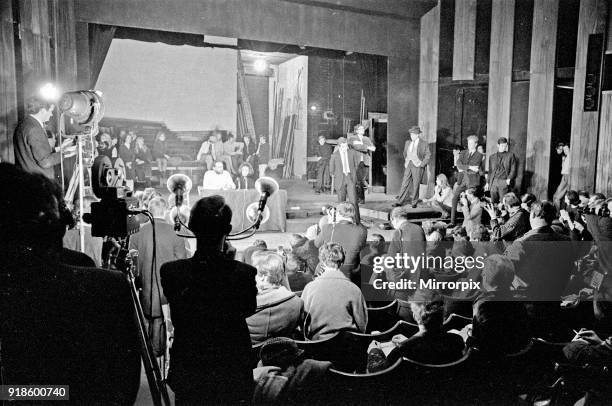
408 239
68 325
470 178
32 150
307 251
335 167
279 314
169 247
210 298
502 166
325 151
515 227
244 183
352 238
437 347
423 152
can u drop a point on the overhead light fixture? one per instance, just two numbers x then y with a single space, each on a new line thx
260 65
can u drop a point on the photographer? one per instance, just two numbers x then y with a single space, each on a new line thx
471 209
517 223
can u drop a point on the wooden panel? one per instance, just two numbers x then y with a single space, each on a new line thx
8 82
518 131
261 20
604 150
35 45
585 125
82 54
541 91
465 39
428 85
65 44
500 73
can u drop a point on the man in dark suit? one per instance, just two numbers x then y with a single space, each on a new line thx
325 151
61 324
416 158
350 235
343 167
210 297
503 166
168 247
359 142
470 166
31 146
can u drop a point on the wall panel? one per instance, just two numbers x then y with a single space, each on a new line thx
8 82
604 151
464 40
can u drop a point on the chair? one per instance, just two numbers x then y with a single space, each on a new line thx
382 318
456 322
321 350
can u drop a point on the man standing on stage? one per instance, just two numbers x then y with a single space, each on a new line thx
325 152
364 146
343 167
563 150
416 158
502 171
470 166
32 150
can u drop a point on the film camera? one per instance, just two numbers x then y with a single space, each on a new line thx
603 211
115 215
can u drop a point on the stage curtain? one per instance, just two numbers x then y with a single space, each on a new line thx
100 38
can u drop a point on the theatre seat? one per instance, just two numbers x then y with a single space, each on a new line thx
456 322
382 318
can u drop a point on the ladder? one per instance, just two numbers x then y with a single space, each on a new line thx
245 104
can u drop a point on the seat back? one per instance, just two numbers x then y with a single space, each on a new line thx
382 318
456 322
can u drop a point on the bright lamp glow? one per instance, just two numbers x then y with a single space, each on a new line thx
260 65
49 92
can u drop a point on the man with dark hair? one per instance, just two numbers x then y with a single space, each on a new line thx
32 150
362 144
516 225
60 324
563 150
332 302
416 158
210 296
503 166
325 151
470 166
343 168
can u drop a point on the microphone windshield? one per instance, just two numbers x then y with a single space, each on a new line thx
266 185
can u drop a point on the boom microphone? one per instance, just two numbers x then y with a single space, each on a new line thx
266 186
178 184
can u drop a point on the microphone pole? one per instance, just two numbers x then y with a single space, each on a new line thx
178 202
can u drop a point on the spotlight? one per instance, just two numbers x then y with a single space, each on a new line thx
49 92
313 107
260 65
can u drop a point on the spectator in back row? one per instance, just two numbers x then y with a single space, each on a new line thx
279 311
332 302
305 249
297 274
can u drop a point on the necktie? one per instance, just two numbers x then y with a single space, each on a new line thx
212 150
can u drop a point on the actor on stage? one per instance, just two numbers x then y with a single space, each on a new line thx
343 167
325 152
470 167
502 171
359 142
563 187
416 158
31 146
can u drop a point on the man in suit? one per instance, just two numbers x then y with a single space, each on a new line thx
359 142
349 234
210 297
343 167
33 153
470 166
503 166
61 324
416 158
168 247
325 151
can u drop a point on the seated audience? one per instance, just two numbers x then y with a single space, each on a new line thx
210 150
516 225
160 154
306 250
279 311
376 247
352 237
298 275
431 344
262 155
142 161
231 153
332 302
588 348
442 198
480 239
258 245
93 245
210 297
500 324
168 247
283 376
527 200
60 324
218 178
248 151
244 179
471 209
127 155
461 245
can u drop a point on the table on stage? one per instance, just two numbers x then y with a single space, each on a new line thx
239 200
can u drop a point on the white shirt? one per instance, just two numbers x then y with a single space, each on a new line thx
218 181
206 148
344 159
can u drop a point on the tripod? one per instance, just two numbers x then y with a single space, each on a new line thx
123 261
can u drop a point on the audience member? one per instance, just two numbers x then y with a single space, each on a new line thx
376 247
152 254
471 209
244 179
142 161
232 153
588 348
61 324
218 178
516 225
527 200
306 250
332 302
210 356
127 155
352 237
480 239
470 167
248 151
263 155
461 243
279 311
160 154
324 151
209 151
298 275
442 198
258 245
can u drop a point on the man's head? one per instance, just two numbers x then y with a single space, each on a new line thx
346 211
497 274
398 216
584 197
231 137
542 213
270 270
260 243
218 167
280 352
480 148
158 207
210 220
376 241
502 144
472 142
360 130
294 264
40 109
262 139
559 147
571 198
342 144
322 139
212 138
295 240
527 200
428 314
471 194
246 169
415 133
511 201
331 255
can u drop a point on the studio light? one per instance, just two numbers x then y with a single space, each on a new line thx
260 65
49 92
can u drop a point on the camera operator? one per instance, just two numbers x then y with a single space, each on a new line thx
61 324
516 225
471 209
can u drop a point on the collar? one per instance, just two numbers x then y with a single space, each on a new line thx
333 274
39 122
